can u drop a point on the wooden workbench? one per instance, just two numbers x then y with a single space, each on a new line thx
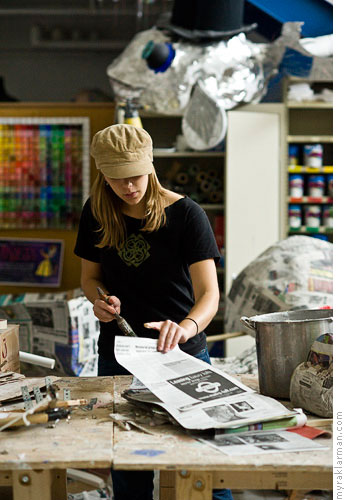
34 459
190 469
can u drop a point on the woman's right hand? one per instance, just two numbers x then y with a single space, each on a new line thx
106 312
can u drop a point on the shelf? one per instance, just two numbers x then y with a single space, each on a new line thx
148 113
66 106
212 206
309 122
189 154
308 230
299 169
310 104
67 12
87 45
310 199
299 79
310 138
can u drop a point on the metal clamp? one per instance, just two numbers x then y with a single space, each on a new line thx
26 397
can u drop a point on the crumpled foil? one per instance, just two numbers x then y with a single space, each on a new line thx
228 72
232 71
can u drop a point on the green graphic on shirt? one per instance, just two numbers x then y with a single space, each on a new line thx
135 250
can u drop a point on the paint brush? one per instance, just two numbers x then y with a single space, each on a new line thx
12 420
122 323
51 405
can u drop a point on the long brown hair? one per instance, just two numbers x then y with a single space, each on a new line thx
106 208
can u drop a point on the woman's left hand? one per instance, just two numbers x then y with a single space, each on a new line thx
170 334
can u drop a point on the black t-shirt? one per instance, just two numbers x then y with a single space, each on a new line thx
150 274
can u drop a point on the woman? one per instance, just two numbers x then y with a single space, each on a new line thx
154 253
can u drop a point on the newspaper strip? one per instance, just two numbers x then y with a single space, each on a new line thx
312 381
50 320
85 325
60 325
312 388
250 443
196 394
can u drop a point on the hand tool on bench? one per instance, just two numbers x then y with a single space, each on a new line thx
14 420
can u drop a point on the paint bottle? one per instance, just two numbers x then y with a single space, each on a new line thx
316 186
327 216
320 236
313 154
295 216
296 186
293 154
330 185
313 216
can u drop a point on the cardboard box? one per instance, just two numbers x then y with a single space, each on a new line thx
17 314
9 349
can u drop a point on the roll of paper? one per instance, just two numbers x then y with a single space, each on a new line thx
201 176
215 196
212 173
33 359
216 183
206 186
182 178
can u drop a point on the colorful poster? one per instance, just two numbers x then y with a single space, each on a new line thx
31 262
44 171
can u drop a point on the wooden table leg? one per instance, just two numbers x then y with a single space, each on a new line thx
34 484
59 484
193 485
5 478
167 483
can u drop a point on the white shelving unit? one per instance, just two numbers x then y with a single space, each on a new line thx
309 122
255 192
255 184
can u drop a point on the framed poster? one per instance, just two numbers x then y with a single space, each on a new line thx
31 262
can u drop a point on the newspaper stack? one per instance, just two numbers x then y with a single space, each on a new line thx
199 397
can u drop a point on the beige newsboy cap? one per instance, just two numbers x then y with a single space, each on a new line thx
122 151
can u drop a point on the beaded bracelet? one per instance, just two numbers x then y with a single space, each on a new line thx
196 324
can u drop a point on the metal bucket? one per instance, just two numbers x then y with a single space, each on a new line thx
283 341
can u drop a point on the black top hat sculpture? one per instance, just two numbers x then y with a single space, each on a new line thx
207 19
